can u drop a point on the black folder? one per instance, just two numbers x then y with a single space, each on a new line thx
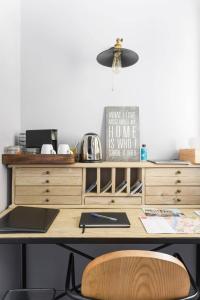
27 219
88 220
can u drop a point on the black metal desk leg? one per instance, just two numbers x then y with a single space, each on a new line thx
198 265
23 266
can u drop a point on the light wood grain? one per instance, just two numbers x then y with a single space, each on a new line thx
172 190
50 190
170 182
192 155
48 171
54 200
184 171
47 180
176 200
98 180
66 225
113 200
173 180
113 177
134 274
128 179
109 164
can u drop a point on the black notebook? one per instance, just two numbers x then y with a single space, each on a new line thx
104 219
28 219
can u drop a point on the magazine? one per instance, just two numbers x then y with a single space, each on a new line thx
171 224
161 212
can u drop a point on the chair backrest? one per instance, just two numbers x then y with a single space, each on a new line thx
135 275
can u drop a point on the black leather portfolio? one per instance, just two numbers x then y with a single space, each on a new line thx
27 219
104 219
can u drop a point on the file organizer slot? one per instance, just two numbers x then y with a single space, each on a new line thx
91 179
106 180
121 181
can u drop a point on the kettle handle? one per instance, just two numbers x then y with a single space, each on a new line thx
89 145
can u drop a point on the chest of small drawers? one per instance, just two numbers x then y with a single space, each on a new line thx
69 185
44 185
172 186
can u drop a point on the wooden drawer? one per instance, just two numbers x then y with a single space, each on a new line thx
73 200
172 190
173 200
173 180
45 171
50 190
113 200
47 180
173 172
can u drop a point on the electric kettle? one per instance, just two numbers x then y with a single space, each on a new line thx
91 150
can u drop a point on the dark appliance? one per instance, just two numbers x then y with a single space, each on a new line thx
36 138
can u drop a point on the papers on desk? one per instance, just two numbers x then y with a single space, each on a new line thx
162 212
171 224
156 225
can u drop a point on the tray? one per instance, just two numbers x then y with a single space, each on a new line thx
26 159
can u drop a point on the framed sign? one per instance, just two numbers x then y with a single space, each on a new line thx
122 133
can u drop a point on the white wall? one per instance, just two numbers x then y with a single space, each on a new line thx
9 123
9 82
63 87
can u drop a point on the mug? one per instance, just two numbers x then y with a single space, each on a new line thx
47 149
64 149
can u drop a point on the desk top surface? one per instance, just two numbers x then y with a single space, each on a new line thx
65 228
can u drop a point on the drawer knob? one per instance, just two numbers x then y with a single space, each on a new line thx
178 200
46 200
178 181
178 191
47 172
113 201
47 191
47 181
178 172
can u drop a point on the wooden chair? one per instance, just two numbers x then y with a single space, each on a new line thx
132 275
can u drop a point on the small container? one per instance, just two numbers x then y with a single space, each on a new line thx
143 153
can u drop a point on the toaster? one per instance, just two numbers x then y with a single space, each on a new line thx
91 150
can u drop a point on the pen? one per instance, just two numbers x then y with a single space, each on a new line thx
103 217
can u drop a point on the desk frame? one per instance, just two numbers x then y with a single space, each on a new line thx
64 244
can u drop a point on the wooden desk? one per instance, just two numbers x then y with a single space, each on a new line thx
65 230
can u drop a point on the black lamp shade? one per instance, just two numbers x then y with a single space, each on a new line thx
128 57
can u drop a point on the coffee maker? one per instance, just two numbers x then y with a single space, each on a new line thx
36 138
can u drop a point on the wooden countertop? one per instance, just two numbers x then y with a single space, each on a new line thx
66 225
104 164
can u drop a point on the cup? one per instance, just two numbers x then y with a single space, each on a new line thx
47 149
64 149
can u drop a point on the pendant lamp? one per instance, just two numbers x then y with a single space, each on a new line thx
117 57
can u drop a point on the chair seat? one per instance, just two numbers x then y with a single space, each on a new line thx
30 294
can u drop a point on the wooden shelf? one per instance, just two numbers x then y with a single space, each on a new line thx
28 159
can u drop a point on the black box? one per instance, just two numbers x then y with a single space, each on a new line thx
36 138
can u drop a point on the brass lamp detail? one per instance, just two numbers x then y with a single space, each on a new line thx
117 57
